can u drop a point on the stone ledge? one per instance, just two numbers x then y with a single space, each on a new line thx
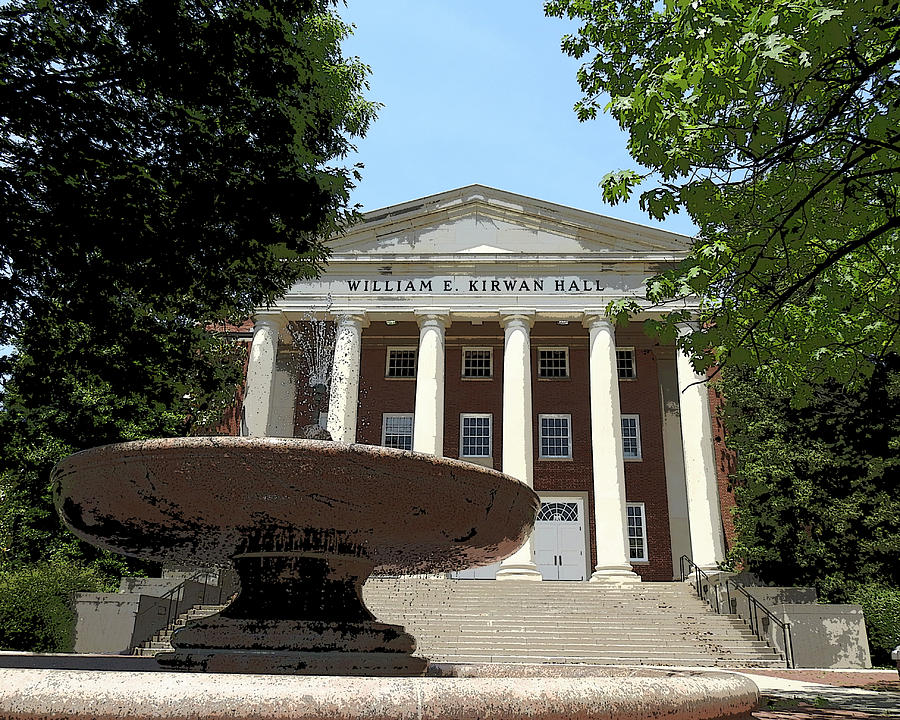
506 693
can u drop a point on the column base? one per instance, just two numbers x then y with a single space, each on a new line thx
615 575
523 571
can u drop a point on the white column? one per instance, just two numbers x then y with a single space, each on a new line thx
344 395
428 423
257 411
673 457
607 455
707 538
518 443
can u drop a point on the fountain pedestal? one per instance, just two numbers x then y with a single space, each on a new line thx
278 625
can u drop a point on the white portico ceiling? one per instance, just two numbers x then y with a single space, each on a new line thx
482 221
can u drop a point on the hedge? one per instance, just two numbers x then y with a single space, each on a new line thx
881 607
36 609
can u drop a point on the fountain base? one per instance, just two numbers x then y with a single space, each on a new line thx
293 647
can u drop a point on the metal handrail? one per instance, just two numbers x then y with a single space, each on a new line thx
176 595
752 603
698 573
755 606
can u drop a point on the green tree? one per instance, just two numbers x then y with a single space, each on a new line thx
776 126
164 164
818 502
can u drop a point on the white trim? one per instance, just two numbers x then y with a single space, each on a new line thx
400 348
645 558
393 416
554 416
462 434
462 366
634 372
637 428
565 351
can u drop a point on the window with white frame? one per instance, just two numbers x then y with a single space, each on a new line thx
555 436
625 363
401 362
637 532
553 362
397 430
631 437
477 362
475 435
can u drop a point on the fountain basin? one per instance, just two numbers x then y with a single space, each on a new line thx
205 501
501 692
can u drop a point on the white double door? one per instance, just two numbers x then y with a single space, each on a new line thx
559 543
559 539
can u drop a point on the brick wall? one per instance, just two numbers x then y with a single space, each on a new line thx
645 479
378 394
473 395
725 465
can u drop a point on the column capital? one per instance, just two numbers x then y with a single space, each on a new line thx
426 316
354 316
269 318
512 315
597 318
687 327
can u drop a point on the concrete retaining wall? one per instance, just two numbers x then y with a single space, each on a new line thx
824 636
105 622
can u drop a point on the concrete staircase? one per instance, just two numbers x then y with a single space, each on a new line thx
553 622
162 641
565 622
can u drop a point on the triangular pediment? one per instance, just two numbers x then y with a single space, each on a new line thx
481 221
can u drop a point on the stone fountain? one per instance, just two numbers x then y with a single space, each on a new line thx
305 522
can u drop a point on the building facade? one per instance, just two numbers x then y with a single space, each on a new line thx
471 324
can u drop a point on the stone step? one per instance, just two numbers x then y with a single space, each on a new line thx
575 597
521 609
643 629
690 661
620 648
548 640
494 620
540 630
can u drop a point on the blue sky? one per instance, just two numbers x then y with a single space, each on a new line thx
478 91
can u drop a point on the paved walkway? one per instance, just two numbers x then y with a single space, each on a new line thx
827 694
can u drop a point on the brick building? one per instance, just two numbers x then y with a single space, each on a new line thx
471 324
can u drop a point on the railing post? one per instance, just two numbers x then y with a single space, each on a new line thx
788 645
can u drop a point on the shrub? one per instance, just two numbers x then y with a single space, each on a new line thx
36 609
881 607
